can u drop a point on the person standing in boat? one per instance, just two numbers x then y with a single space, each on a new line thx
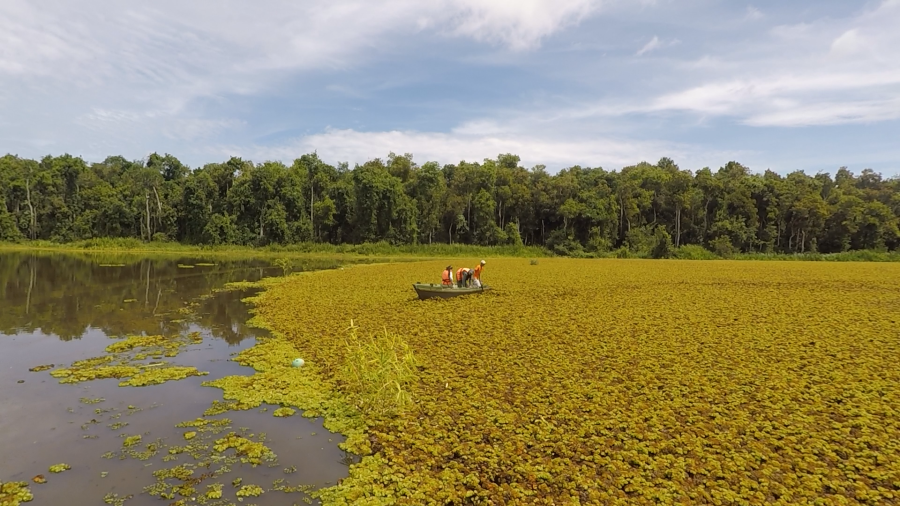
476 276
464 277
447 276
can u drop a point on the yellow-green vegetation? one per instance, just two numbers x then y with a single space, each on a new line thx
157 376
58 468
250 491
131 441
214 491
282 412
604 381
250 452
13 493
40 368
190 435
378 371
123 362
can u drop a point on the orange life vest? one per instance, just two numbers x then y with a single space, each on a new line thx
445 277
459 273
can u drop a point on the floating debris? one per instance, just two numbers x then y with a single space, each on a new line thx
39 479
88 400
40 368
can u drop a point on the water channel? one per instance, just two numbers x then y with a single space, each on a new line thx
57 309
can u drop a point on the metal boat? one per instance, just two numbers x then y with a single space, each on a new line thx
430 290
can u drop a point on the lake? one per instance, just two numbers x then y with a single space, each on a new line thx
57 309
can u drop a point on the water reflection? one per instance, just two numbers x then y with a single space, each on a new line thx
85 300
64 295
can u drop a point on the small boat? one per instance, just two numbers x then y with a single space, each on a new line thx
430 290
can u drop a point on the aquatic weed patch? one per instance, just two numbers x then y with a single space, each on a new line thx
608 381
13 493
124 361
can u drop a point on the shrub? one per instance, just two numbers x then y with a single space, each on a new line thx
664 248
694 252
378 371
722 246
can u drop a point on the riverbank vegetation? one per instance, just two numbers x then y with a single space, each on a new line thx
646 210
603 383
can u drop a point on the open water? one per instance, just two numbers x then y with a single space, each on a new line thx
56 309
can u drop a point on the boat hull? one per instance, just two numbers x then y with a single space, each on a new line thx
430 291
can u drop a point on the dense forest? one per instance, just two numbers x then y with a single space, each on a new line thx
576 211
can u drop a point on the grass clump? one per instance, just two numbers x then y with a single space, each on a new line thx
378 371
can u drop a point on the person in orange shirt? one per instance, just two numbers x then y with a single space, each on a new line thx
476 276
464 277
447 276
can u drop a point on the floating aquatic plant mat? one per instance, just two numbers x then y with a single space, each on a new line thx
125 361
602 381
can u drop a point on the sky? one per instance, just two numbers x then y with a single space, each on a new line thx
801 85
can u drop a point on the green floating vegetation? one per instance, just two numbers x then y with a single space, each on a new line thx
77 375
609 382
58 468
13 493
185 266
131 441
88 400
158 376
190 435
250 491
214 491
39 479
250 452
123 362
40 368
276 382
282 412
204 264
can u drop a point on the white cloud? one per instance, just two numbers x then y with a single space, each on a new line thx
753 14
518 24
816 73
650 46
357 147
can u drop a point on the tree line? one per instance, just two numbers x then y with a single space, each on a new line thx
579 210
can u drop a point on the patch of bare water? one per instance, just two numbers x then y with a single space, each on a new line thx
58 309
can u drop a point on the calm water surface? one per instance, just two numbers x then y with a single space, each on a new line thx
55 309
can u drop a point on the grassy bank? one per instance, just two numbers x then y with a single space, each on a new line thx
386 250
366 249
599 381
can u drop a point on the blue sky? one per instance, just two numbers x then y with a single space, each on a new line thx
785 86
